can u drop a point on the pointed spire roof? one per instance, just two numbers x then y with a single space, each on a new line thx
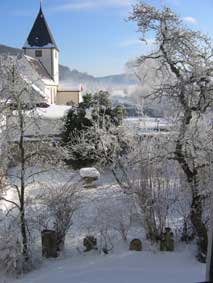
40 35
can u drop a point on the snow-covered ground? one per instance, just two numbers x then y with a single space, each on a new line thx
124 267
103 205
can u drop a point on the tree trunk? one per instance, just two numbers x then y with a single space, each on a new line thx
25 248
196 211
25 252
196 205
199 226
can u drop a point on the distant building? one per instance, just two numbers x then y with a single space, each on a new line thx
42 54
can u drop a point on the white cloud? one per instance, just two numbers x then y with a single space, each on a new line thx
78 5
190 20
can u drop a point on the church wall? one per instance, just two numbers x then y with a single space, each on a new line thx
51 94
55 56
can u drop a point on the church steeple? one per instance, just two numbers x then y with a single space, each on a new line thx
41 45
40 35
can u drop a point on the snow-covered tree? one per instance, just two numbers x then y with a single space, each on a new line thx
25 156
95 111
183 60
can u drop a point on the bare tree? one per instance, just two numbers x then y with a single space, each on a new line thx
184 59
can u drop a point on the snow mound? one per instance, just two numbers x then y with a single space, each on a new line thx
90 172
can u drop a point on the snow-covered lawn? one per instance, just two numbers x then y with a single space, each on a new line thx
124 267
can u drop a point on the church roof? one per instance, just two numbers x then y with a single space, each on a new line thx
40 35
38 67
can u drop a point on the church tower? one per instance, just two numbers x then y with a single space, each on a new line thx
41 45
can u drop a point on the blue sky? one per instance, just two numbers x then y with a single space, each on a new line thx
92 35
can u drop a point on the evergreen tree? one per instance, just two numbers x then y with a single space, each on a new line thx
93 110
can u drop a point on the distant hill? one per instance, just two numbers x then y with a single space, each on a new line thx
10 50
121 79
73 78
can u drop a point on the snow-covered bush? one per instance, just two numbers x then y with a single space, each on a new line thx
11 258
112 223
154 184
122 217
59 205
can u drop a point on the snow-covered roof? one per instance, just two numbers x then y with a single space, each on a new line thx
32 73
40 35
39 68
53 111
37 89
46 123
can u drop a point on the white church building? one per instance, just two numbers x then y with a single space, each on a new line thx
42 53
